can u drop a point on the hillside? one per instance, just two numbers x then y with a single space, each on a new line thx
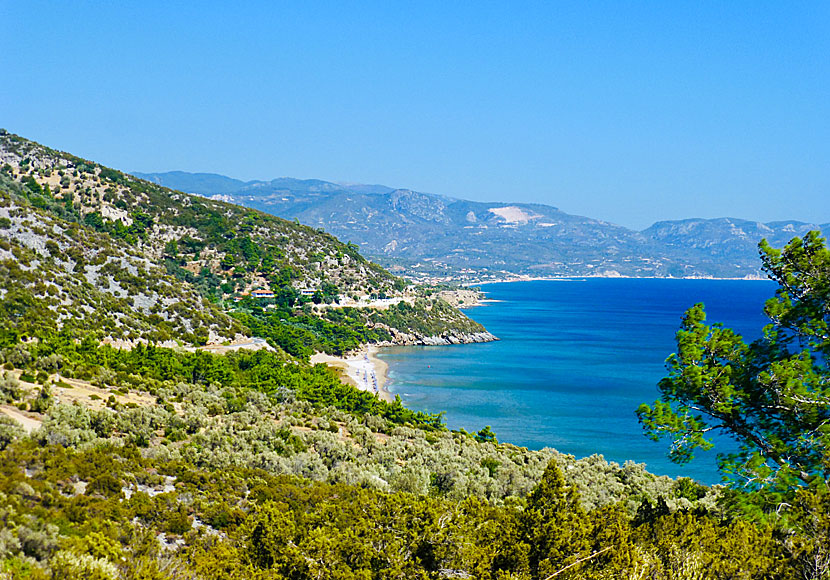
57 273
166 476
151 458
132 260
433 235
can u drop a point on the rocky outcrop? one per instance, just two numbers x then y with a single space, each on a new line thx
458 339
445 339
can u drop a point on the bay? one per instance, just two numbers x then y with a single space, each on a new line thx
574 360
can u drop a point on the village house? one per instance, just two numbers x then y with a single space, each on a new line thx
262 294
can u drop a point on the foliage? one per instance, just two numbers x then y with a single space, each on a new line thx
264 371
426 318
175 520
336 331
772 396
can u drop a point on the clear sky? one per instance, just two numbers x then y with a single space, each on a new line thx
630 112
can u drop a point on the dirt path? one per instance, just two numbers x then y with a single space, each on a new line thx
95 397
29 424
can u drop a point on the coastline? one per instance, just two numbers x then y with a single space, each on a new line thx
537 397
362 369
581 278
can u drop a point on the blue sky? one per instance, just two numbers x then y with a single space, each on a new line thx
630 112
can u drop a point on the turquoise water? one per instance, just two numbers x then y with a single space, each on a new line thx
575 359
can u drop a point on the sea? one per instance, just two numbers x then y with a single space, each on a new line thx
575 359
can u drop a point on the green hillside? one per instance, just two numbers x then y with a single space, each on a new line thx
133 260
56 272
128 452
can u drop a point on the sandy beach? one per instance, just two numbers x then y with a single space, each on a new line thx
364 370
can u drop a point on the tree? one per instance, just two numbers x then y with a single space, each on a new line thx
554 525
772 396
94 220
171 248
486 435
228 261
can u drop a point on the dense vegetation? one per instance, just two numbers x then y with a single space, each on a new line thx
110 512
168 462
149 367
339 330
301 333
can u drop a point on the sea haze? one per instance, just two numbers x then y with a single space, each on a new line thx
575 359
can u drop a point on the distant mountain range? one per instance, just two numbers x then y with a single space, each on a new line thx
428 235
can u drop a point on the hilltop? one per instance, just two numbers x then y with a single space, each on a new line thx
434 236
90 246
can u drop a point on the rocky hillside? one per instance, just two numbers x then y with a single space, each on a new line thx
56 273
725 240
205 233
427 234
86 245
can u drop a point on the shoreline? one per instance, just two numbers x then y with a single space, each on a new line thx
583 278
363 370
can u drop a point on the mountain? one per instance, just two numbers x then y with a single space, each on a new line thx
200 183
87 247
434 235
213 183
725 239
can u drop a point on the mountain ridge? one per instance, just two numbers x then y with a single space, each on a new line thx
437 237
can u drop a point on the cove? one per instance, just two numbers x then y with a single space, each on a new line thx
574 360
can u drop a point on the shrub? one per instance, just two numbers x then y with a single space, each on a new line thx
71 566
9 431
106 484
10 389
37 538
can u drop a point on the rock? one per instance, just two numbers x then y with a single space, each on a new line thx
445 340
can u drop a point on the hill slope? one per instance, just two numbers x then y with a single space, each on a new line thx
133 259
56 273
438 235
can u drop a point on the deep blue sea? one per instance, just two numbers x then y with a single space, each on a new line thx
575 359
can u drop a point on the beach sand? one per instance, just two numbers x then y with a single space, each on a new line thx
364 370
